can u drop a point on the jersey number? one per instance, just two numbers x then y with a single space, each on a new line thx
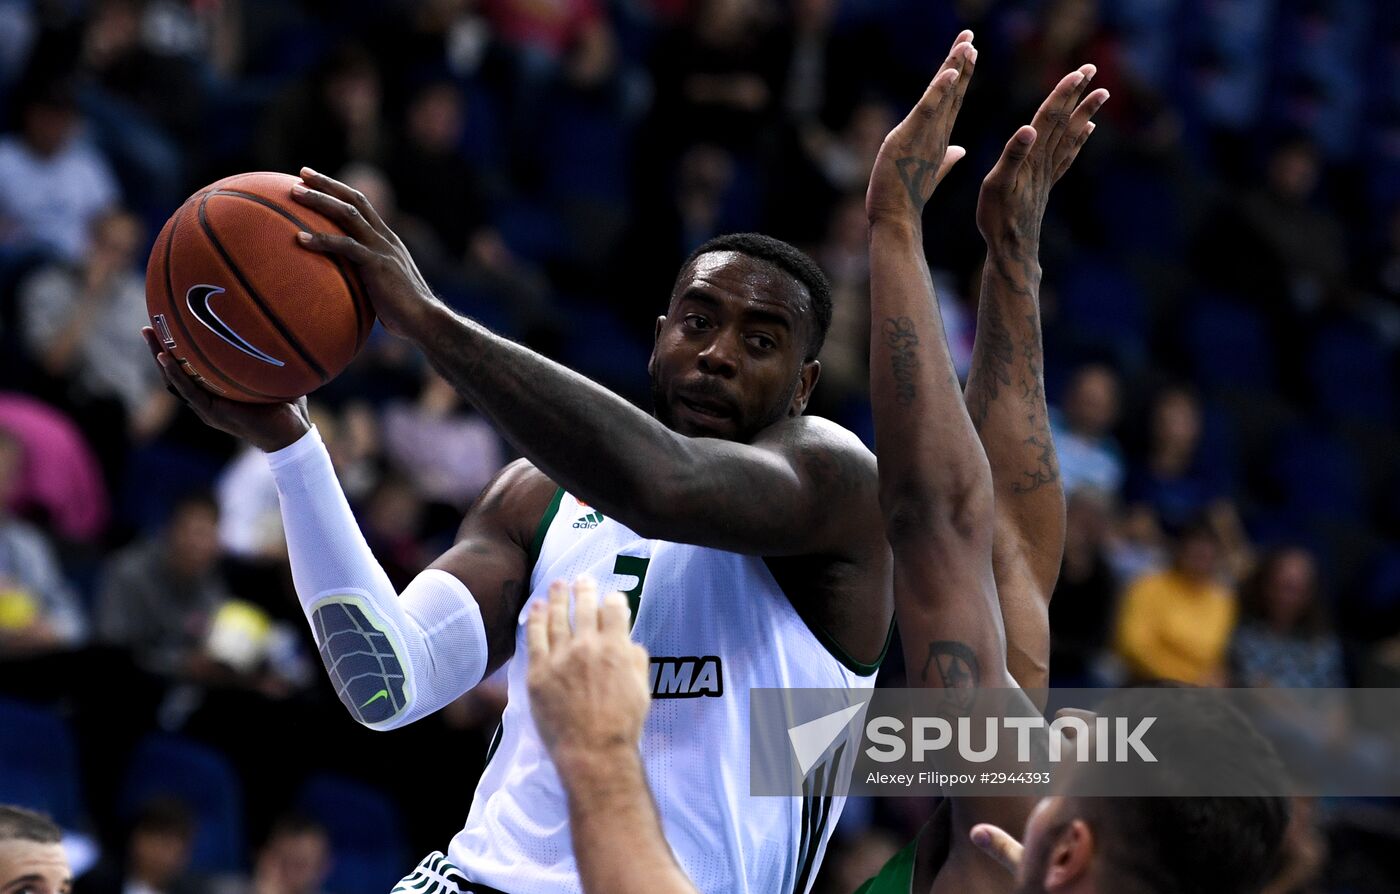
632 566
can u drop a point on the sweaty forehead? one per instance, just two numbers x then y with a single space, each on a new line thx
747 278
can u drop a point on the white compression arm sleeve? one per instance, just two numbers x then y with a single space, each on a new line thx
392 658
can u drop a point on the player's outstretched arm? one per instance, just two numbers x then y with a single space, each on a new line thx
392 657
935 484
589 697
1006 388
710 492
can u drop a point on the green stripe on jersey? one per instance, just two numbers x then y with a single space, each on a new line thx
545 521
896 876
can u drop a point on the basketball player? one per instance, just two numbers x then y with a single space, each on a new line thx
746 535
32 860
969 579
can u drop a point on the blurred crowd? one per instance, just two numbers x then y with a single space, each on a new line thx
1221 303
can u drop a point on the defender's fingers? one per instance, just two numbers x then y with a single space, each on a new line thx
329 243
1078 143
934 92
537 633
350 218
347 194
558 614
1003 173
998 845
616 617
585 606
1052 118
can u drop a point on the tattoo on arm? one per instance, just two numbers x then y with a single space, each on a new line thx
956 670
915 172
955 664
992 367
904 361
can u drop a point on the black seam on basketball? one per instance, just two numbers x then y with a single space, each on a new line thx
351 277
252 293
210 370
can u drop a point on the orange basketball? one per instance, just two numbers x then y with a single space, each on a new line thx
241 305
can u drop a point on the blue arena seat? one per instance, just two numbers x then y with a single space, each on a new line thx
1352 375
1229 346
171 766
1319 477
39 762
365 830
1101 306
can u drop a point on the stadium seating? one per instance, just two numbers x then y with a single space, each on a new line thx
39 762
165 765
366 833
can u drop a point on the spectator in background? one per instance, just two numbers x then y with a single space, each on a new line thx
53 184
1081 612
157 855
158 597
1176 624
1174 480
1284 639
61 478
433 183
448 453
329 120
38 609
295 859
32 860
718 80
82 326
1089 454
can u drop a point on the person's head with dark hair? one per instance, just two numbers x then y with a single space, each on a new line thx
1295 165
48 114
737 349
1159 841
295 859
1198 550
192 534
1281 594
31 853
161 843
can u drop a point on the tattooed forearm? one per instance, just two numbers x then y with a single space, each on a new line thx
904 360
915 172
991 362
1047 469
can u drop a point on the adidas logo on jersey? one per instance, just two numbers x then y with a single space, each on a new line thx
589 521
687 677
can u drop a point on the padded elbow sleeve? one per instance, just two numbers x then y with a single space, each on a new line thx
392 658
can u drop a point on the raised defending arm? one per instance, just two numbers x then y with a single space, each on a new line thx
1006 387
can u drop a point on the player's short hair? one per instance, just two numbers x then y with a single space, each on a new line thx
791 260
19 824
1170 844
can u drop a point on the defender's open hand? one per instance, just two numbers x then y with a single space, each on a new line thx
400 295
1012 203
916 155
588 684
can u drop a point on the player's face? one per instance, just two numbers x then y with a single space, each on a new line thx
728 360
28 867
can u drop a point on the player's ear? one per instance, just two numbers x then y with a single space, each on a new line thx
807 377
655 340
1070 857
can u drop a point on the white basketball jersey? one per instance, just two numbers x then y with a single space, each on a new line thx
716 624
